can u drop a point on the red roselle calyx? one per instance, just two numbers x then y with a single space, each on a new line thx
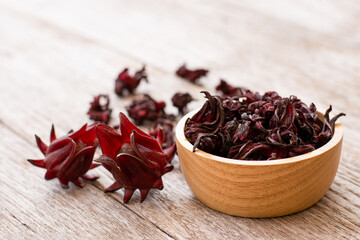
181 100
135 159
146 108
68 158
250 126
129 83
100 111
191 75
165 127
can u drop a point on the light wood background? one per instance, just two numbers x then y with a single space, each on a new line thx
56 55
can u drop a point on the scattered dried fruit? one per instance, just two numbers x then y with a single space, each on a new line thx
181 100
250 126
135 159
100 111
191 75
226 89
129 83
166 127
68 158
146 108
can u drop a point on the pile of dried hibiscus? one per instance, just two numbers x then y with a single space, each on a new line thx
136 160
248 126
239 124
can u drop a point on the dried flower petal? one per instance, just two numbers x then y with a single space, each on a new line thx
226 89
146 108
135 158
100 111
191 75
251 126
181 100
129 83
68 158
163 130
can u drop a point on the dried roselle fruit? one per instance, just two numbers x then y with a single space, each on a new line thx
68 158
99 108
226 89
191 75
327 129
181 100
164 128
200 129
126 82
135 159
146 108
249 126
244 94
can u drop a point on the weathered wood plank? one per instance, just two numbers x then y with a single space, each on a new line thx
57 63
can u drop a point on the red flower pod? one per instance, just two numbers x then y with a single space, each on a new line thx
191 75
146 108
249 126
100 111
68 158
166 128
135 159
181 100
129 83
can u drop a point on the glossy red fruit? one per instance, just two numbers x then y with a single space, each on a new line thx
68 158
135 159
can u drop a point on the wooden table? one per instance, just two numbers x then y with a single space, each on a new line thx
56 55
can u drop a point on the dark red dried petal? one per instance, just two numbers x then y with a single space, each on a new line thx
125 82
226 89
191 75
166 129
257 127
181 100
146 108
100 111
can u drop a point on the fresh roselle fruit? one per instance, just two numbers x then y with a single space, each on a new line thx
125 82
68 158
135 159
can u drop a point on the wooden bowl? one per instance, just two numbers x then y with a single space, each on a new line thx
259 189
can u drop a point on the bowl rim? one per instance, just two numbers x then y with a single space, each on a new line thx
180 137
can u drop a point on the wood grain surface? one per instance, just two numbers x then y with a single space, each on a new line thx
56 55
